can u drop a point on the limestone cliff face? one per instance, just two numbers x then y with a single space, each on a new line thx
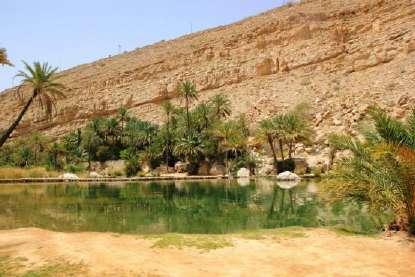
338 55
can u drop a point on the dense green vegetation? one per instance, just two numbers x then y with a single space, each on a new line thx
283 131
200 134
380 169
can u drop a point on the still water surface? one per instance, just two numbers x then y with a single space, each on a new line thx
180 206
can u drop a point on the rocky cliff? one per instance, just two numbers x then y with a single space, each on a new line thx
338 55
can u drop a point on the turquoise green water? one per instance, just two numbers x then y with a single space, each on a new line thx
182 207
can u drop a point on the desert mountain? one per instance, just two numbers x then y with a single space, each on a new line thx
340 56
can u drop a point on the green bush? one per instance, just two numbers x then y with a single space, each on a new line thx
74 168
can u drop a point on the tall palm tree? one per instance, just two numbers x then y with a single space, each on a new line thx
267 133
123 117
90 143
294 128
3 57
187 91
167 131
42 79
202 115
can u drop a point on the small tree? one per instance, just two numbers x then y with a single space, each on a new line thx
90 143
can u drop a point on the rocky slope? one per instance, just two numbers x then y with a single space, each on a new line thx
339 56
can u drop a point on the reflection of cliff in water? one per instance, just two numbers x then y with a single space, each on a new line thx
158 207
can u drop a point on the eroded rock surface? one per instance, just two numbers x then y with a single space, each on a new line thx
339 56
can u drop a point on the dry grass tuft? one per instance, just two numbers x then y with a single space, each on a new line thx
18 173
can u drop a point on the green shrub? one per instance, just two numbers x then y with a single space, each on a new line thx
74 168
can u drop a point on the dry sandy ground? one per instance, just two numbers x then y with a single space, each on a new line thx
319 252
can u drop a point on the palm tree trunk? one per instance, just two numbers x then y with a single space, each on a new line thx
274 153
89 161
290 150
227 164
281 149
187 116
332 156
412 226
10 130
411 216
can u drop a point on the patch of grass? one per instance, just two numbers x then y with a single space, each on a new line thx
341 231
212 242
202 242
253 235
292 232
17 173
289 232
8 265
58 269
15 267
275 234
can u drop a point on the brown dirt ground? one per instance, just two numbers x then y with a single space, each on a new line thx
319 252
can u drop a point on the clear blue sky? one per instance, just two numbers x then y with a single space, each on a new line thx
66 33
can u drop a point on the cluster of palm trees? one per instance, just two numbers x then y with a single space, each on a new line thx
283 131
193 134
381 167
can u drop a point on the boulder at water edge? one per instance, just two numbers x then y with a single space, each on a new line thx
267 169
288 176
217 170
95 175
69 176
243 173
180 167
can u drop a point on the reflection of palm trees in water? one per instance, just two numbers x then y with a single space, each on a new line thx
283 205
168 191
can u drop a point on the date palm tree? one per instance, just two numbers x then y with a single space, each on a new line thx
267 133
42 80
190 147
167 131
221 106
123 117
231 139
381 170
187 91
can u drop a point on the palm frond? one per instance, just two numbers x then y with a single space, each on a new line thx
41 77
3 57
390 129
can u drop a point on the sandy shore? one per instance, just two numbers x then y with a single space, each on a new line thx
308 252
